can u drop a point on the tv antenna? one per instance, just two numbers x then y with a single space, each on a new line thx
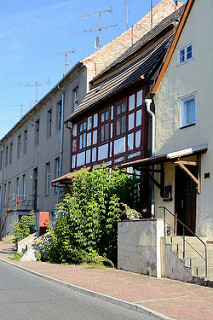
151 14
127 15
34 84
65 55
19 105
100 13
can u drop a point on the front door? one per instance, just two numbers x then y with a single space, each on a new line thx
185 200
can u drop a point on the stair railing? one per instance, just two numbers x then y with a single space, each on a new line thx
184 238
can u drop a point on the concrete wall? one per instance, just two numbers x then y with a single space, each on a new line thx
139 246
179 81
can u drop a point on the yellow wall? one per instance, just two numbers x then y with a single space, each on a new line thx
194 76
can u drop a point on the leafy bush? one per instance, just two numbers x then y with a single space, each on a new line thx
86 230
23 227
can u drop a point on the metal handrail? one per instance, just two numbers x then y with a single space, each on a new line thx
184 240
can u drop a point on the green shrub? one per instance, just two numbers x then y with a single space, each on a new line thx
86 230
23 227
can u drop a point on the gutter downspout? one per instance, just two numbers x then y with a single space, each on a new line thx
2 179
148 105
62 137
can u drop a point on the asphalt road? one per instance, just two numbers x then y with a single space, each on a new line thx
27 296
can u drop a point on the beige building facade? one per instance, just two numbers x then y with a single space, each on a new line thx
184 122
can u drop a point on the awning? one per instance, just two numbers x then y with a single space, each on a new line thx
169 157
67 177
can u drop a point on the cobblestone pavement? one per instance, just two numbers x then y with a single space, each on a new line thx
173 298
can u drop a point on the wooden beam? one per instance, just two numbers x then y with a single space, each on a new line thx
153 180
188 163
199 173
182 166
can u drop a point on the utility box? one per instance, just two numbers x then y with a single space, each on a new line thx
44 219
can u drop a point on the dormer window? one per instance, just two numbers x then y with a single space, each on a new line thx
185 54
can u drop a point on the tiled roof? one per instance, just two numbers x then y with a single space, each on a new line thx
144 66
162 26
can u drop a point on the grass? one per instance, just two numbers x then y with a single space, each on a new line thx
16 256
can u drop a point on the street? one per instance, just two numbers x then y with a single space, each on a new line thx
26 296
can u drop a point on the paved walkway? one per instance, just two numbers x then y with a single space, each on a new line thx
169 297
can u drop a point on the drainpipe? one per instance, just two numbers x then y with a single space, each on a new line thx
62 137
148 107
2 178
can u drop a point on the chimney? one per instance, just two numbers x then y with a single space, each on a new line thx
178 4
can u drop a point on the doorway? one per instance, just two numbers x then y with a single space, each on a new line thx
185 200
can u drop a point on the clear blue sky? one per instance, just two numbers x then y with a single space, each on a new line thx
31 31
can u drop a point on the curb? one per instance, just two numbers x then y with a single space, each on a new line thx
94 294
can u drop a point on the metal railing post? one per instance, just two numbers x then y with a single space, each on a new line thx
184 243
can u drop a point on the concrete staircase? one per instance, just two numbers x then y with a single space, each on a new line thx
194 251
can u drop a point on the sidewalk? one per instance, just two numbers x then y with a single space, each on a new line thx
171 298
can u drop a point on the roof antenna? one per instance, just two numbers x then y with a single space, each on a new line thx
151 14
65 55
100 13
127 15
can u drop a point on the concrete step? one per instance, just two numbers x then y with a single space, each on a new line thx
191 240
194 254
201 271
192 247
198 262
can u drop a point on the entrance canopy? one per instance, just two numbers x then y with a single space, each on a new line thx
173 157
169 157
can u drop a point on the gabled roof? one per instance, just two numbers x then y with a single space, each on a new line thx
171 49
163 26
142 69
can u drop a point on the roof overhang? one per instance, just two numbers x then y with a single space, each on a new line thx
169 157
65 179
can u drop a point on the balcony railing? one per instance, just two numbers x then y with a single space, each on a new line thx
21 203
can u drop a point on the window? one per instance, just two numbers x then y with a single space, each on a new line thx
57 171
105 126
58 116
83 135
24 186
11 153
25 141
121 119
47 179
17 186
1 160
9 190
36 142
75 98
187 109
18 146
49 122
6 156
185 54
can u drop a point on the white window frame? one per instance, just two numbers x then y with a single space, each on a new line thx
185 53
182 100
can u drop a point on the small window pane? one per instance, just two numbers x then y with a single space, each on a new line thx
106 131
107 116
131 120
118 126
102 117
189 52
123 124
182 56
123 107
139 98
74 144
118 110
131 102
102 133
95 137
95 123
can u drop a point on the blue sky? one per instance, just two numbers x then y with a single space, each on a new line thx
31 31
